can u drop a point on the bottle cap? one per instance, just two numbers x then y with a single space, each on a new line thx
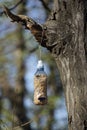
40 64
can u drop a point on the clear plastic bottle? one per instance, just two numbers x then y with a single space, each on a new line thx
40 85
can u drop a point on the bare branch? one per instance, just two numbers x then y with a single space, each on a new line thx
12 8
35 28
17 4
22 125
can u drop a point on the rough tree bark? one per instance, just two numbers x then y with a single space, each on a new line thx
64 34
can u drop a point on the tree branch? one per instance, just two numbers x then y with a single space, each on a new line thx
35 28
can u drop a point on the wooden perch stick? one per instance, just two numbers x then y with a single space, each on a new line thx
35 28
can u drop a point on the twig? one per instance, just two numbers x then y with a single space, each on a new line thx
17 4
22 125
12 8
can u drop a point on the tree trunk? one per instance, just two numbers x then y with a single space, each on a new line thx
66 34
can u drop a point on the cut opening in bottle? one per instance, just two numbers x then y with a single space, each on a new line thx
42 99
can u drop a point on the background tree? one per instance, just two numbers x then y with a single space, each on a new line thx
17 110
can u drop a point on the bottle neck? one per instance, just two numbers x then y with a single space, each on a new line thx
40 69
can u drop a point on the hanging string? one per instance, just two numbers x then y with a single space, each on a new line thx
40 46
40 52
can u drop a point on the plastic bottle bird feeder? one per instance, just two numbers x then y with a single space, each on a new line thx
40 85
